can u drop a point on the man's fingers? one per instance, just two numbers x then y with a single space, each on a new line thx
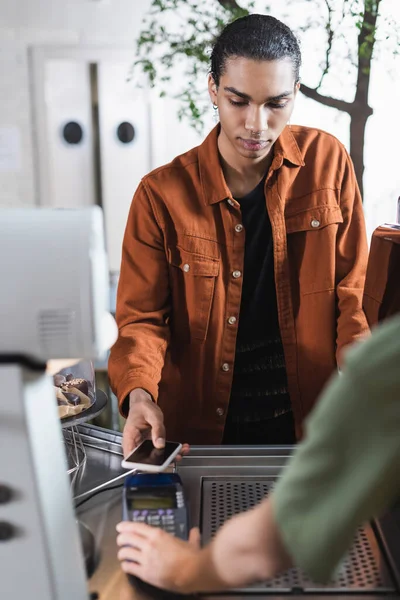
131 438
158 438
183 452
155 420
143 416
127 444
195 537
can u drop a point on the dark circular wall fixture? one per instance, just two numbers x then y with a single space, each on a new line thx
126 132
72 133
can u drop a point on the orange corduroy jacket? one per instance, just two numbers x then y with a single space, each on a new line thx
182 270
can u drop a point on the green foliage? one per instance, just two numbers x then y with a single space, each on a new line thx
177 37
174 46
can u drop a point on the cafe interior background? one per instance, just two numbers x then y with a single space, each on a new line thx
80 123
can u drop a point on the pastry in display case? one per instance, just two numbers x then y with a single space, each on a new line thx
74 388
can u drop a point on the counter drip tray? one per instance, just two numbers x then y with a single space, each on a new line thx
363 571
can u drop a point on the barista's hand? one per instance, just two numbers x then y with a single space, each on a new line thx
156 556
145 420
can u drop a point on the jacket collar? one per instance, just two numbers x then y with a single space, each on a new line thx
287 149
212 179
211 176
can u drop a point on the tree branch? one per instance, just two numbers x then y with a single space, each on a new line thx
329 44
229 5
326 100
366 43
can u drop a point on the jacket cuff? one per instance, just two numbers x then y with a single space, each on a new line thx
127 385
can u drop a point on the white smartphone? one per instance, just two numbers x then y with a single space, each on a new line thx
148 458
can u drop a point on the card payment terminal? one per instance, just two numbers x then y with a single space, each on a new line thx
158 500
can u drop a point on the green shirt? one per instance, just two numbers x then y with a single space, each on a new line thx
347 470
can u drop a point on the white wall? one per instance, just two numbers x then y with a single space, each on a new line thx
26 23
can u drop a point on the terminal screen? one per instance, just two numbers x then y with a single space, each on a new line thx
151 499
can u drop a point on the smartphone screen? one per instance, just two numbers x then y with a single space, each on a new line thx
147 454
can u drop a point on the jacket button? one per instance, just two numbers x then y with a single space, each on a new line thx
315 223
238 228
236 274
220 411
232 320
225 367
186 267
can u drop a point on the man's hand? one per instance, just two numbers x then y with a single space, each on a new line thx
155 556
145 420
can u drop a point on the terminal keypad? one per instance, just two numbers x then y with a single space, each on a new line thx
163 518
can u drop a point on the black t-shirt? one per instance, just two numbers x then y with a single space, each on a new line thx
259 388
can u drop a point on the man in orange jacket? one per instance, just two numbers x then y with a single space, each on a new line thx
243 263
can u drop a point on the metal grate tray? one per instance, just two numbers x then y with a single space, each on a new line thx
363 570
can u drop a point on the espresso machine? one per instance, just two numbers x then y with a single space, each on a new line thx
54 305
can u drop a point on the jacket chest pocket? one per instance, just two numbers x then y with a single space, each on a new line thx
312 238
192 287
314 219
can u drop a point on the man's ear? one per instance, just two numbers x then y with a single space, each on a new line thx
296 87
212 89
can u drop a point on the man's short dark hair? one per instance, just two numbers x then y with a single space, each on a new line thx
257 37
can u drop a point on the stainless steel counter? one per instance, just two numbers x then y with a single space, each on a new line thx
219 482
